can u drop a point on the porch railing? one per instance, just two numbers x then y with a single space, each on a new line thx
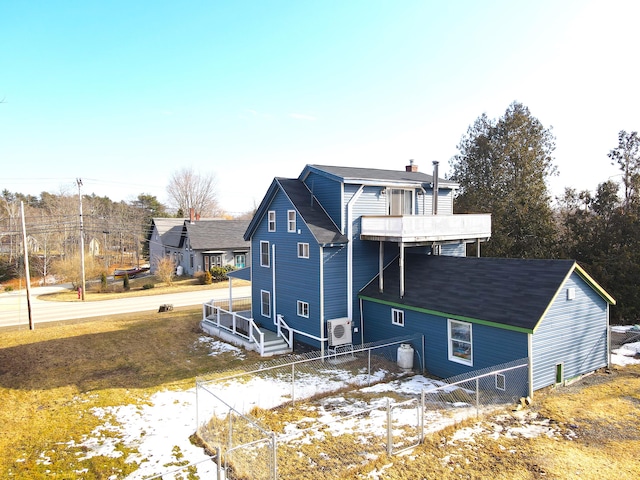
233 321
282 325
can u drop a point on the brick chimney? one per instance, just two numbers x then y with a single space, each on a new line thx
411 167
191 214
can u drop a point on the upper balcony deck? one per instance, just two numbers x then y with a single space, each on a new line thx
426 228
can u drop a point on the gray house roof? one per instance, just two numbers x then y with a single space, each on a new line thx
514 293
217 234
373 175
170 230
321 226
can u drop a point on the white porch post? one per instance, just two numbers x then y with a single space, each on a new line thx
380 267
401 269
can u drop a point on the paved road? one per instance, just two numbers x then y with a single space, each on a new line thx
13 305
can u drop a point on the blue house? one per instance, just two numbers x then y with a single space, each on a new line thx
318 239
344 256
480 312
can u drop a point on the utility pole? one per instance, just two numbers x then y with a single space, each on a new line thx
27 276
79 182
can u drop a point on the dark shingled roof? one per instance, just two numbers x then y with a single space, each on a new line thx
217 234
358 174
508 291
315 217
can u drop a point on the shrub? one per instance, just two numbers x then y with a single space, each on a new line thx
204 278
8 288
220 273
125 283
148 286
103 282
165 269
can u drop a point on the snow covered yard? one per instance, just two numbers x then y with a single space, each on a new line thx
160 431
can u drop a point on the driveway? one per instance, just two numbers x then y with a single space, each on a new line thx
13 305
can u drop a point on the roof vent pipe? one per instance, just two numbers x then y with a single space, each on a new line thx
435 188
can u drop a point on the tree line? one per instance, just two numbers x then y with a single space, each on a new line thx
503 166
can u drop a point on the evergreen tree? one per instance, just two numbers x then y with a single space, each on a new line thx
502 168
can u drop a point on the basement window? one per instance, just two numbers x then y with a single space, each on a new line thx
303 309
501 381
397 317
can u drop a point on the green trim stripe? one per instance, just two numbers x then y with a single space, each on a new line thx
447 315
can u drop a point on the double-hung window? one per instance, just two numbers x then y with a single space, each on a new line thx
265 303
291 221
264 254
460 342
303 250
271 221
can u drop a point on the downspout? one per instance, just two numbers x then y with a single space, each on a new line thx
273 281
321 301
530 348
435 188
350 251
361 324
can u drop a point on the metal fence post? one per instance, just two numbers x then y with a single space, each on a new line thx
477 396
293 383
389 429
369 368
218 464
421 434
274 468
230 446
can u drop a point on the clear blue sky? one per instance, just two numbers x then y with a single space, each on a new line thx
122 94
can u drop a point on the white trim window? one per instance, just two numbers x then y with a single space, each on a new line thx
265 303
291 221
501 382
303 309
397 317
264 254
303 250
460 342
271 222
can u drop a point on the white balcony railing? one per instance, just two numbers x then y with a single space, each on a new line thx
426 228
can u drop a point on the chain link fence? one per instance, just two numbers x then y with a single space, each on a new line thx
333 415
624 335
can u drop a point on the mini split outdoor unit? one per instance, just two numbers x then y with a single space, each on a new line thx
339 331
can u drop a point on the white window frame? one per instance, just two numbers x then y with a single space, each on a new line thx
240 260
397 317
271 221
501 382
291 221
265 295
303 309
265 261
453 355
303 250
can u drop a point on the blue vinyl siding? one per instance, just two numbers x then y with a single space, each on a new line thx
424 203
335 282
491 346
296 278
329 194
573 333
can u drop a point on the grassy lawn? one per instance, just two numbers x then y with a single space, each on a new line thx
52 377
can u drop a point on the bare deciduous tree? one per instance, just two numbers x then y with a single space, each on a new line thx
188 189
